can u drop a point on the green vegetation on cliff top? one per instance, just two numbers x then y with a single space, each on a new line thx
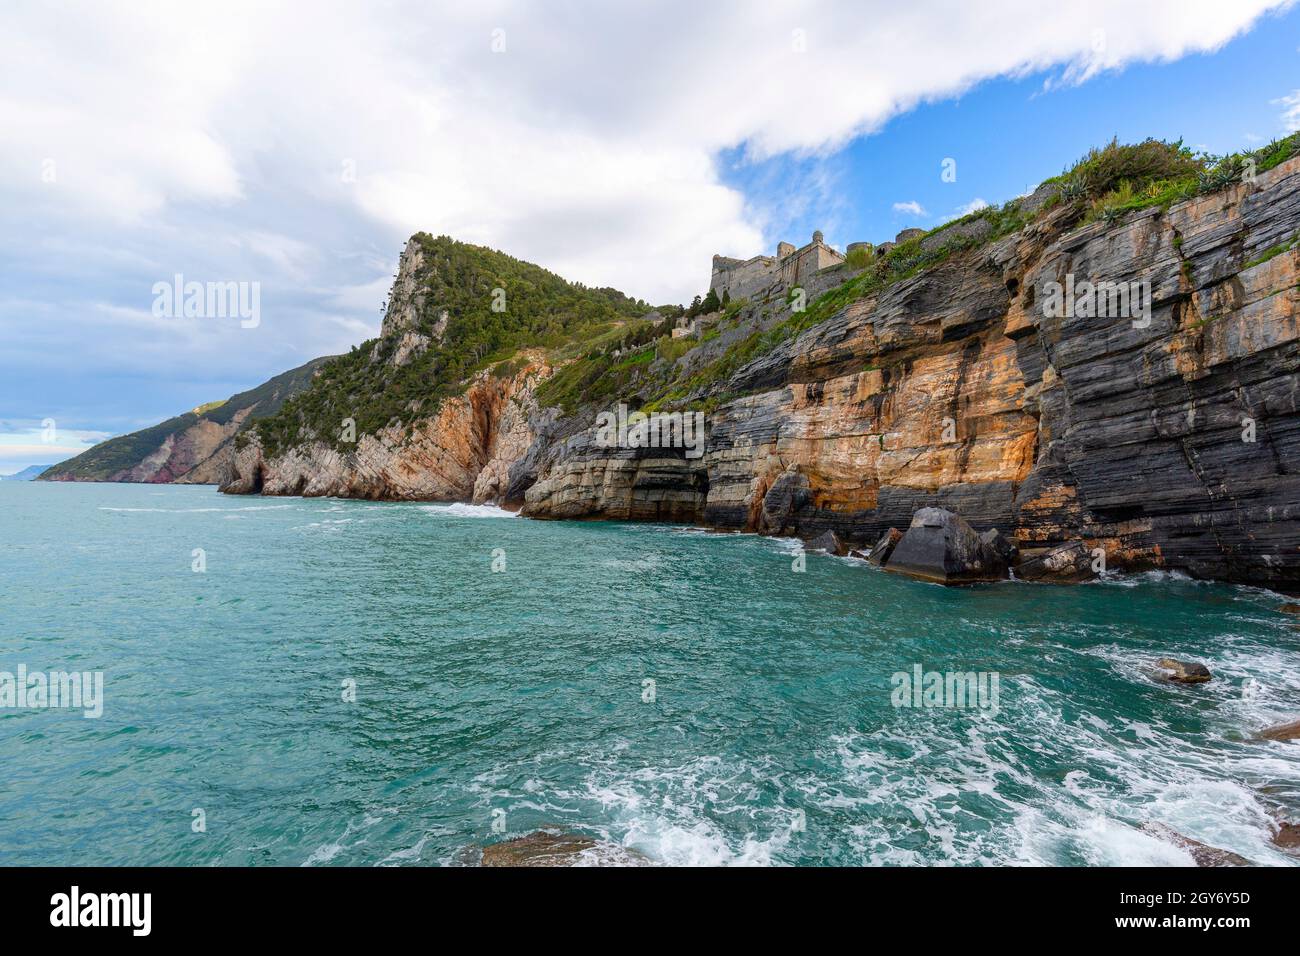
1106 184
537 309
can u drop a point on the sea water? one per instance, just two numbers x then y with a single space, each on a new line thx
314 681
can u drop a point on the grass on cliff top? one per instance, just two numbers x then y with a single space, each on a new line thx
652 381
1118 179
540 310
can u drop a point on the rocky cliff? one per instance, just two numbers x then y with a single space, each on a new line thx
1164 431
1169 444
460 453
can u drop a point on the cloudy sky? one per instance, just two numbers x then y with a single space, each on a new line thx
297 145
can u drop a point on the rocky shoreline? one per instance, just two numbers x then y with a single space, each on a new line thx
1087 443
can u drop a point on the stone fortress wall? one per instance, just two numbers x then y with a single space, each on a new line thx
757 277
763 276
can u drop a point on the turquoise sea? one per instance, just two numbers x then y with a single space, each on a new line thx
491 703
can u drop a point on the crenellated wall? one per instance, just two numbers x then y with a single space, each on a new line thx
762 276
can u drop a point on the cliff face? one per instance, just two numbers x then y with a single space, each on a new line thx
462 453
1176 445
1169 438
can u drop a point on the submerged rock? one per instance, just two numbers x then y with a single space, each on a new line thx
1290 608
1280 732
557 848
1202 853
1068 564
884 548
1184 672
829 542
940 546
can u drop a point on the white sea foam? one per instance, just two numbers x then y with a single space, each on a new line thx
461 510
1137 772
326 852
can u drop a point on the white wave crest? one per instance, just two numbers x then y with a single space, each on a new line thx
461 510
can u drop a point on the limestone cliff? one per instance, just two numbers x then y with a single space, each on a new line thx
1169 439
1171 446
461 453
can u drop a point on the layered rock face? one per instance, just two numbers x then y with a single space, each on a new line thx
1168 440
462 453
1154 426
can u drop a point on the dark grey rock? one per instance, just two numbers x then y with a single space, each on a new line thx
940 546
788 494
829 542
1001 550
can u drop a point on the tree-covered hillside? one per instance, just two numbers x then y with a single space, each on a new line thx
534 308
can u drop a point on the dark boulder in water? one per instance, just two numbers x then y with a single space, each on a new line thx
1067 564
829 542
940 546
1001 549
788 494
1183 672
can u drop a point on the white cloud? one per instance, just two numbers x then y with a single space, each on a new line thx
299 145
910 208
1290 111
975 205
33 444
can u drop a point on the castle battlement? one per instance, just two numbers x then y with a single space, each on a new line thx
749 278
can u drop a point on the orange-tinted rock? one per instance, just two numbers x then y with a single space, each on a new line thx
556 848
1289 731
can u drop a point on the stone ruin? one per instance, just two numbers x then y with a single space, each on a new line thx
750 278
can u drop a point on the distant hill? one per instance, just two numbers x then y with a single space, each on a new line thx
27 474
191 448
